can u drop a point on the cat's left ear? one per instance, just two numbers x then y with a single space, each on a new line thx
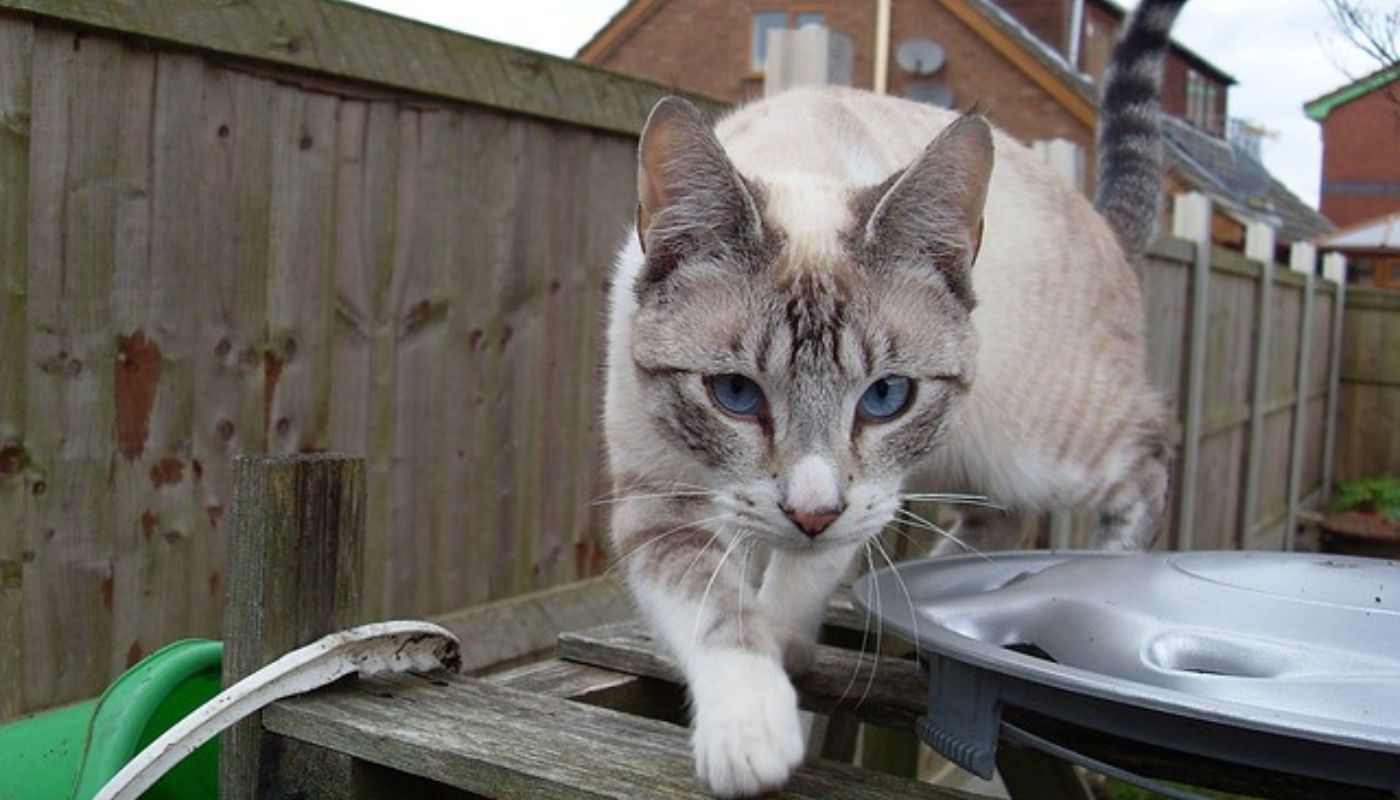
932 211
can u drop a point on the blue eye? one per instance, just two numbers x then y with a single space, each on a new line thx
885 398
736 394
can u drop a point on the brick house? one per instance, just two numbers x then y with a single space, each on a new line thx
1360 148
1015 59
1193 89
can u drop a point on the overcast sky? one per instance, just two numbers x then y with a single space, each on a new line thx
1282 52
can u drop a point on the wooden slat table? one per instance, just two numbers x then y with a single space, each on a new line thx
569 727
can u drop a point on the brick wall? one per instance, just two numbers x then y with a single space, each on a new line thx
1047 19
703 45
1361 158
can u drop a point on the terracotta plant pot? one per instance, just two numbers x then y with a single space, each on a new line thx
1360 533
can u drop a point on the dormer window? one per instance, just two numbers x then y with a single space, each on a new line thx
1201 102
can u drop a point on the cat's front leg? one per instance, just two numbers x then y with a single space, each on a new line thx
689 582
797 586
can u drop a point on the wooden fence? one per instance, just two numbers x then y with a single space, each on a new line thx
1245 351
272 227
1369 430
212 246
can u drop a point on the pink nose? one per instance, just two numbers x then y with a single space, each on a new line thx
813 522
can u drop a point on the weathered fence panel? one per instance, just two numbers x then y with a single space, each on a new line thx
1228 457
246 228
1369 412
206 255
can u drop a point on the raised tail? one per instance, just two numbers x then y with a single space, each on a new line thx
1130 129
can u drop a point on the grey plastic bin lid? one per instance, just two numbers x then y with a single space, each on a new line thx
1288 662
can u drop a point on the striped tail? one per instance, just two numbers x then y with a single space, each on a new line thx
1130 129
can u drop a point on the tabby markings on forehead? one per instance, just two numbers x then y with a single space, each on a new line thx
815 318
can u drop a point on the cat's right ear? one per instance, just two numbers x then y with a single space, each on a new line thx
690 199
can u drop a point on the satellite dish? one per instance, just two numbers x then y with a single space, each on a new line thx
932 92
920 56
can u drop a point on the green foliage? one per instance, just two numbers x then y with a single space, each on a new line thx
1374 495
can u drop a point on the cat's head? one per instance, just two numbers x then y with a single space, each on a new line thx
803 345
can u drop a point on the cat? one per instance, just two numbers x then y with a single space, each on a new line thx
819 306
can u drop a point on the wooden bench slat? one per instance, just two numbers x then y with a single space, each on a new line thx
502 742
564 679
838 680
506 630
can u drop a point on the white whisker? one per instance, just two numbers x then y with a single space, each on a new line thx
908 517
981 501
879 627
700 614
860 654
708 544
657 496
913 615
744 581
660 485
682 528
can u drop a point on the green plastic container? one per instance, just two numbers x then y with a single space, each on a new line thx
70 752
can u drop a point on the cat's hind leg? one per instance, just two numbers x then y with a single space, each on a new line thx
1134 511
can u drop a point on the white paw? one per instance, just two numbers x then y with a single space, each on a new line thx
747 734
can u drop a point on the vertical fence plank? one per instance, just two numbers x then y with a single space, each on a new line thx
16 50
1191 221
1259 245
234 184
522 284
366 187
612 176
296 355
142 434
295 563
486 154
1303 259
70 349
1334 268
175 279
494 147
425 259
156 527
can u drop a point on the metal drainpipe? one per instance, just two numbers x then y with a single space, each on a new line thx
1076 31
882 46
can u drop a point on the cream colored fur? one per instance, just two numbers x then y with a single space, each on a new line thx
1055 414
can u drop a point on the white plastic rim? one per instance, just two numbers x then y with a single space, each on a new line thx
374 649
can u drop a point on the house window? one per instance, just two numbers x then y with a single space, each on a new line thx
1201 95
765 21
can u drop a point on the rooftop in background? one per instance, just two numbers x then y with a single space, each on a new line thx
1382 233
1320 108
1012 56
1238 181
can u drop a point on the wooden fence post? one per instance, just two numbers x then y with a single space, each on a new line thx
295 566
1259 245
1302 259
1334 268
1191 216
